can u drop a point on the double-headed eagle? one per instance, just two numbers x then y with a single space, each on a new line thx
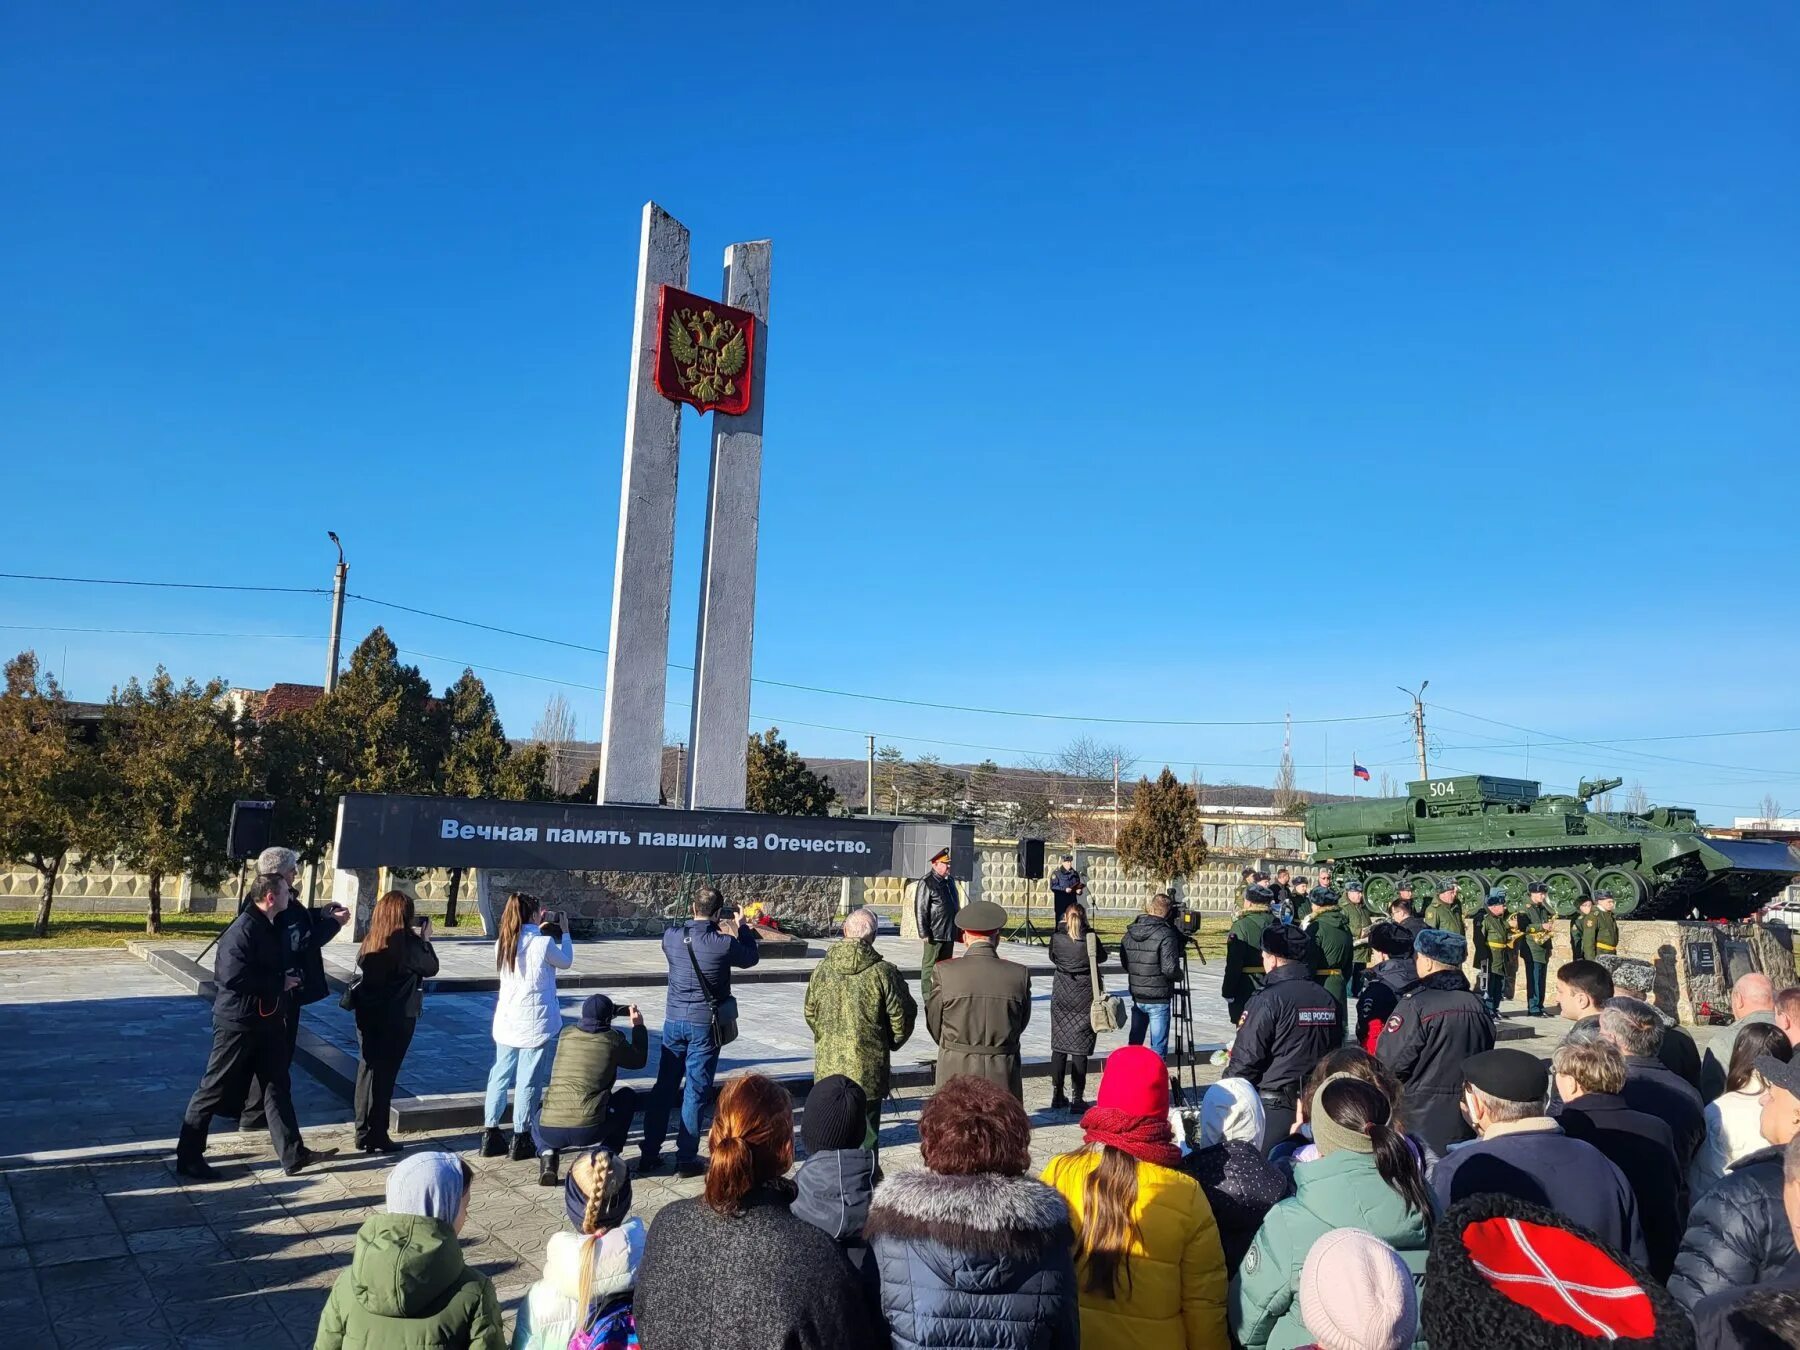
709 352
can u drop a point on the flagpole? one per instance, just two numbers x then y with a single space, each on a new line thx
1354 780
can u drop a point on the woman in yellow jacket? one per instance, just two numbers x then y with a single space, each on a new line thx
1147 1253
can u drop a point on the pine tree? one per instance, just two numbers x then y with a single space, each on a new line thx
1163 836
479 761
398 734
780 783
172 771
890 766
47 782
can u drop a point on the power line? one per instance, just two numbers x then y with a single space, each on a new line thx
167 585
156 632
1604 745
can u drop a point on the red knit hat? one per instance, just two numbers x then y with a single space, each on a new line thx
1135 1081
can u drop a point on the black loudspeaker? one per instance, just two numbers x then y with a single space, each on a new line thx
252 823
1031 859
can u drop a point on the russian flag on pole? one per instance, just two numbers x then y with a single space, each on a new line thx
1359 771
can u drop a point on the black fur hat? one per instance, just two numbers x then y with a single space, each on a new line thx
1503 1272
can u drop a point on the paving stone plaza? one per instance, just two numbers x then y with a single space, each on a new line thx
102 1246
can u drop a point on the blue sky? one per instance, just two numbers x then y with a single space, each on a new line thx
1136 363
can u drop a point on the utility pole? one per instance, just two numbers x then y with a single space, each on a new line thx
1115 801
680 774
1418 721
337 613
869 798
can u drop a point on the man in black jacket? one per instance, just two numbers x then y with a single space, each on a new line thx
1739 1232
304 931
935 902
1714 1323
1636 1031
250 977
1438 1024
1290 1024
1391 975
1678 1051
1066 886
1150 951
1589 1079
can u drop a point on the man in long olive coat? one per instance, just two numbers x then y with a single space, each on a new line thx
979 1004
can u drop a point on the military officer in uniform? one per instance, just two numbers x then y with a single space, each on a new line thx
1356 912
935 902
1606 927
980 1004
1330 951
1581 929
1290 1024
1243 951
1538 918
1493 950
1437 1025
1444 913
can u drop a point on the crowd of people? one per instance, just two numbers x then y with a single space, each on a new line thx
1370 1172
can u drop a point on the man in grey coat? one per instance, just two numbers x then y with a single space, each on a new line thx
979 1005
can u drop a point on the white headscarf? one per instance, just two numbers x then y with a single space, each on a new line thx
1230 1110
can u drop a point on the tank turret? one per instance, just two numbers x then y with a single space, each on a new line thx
1487 831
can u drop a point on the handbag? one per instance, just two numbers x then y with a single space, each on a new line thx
1105 1013
724 1010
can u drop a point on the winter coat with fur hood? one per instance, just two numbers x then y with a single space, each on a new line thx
982 1260
549 1314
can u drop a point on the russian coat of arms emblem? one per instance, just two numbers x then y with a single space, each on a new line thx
705 352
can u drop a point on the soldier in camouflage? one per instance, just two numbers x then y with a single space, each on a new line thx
860 1011
1329 951
1493 950
1581 929
1444 913
1356 912
1538 918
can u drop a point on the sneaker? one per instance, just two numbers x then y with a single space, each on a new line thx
195 1169
687 1171
522 1147
493 1143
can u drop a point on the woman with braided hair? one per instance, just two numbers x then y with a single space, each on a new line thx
589 1274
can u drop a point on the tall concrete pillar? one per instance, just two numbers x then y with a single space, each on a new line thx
719 730
643 568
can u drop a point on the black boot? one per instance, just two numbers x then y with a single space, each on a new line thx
1078 1106
547 1167
522 1147
1058 1102
493 1143
190 1149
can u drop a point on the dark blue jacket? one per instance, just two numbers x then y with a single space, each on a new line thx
716 954
303 932
1643 1148
249 972
983 1260
1546 1167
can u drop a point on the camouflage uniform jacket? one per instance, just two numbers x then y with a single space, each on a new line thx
859 1010
1581 933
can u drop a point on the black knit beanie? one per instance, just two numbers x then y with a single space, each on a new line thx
836 1116
1503 1272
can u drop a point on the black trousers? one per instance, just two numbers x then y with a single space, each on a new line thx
255 1117
1278 1123
381 1048
1076 1065
239 1055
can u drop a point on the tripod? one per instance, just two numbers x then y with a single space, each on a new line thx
1181 1031
240 909
1025 931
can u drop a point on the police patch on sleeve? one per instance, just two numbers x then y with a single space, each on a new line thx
1393 1024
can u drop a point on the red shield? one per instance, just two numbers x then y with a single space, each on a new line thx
705 352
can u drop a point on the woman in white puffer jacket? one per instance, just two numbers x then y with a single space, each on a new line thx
527 1018
1734 1121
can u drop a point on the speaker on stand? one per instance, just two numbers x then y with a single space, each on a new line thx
1031 868
251 831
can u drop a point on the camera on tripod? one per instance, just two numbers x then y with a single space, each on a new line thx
1183 919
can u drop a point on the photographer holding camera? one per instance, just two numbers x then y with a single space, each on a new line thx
699 1019
1151 954
395 960
532 947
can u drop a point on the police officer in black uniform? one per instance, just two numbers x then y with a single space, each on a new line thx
1289 1025
250 1011
1438 1023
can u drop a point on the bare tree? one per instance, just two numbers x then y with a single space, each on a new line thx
555 731
1285 794
1771 809
1637 800
1388 786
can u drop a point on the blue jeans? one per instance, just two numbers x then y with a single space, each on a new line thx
528 1068
1153 1017
689 1060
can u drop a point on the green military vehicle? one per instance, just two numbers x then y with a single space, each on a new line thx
1486 832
